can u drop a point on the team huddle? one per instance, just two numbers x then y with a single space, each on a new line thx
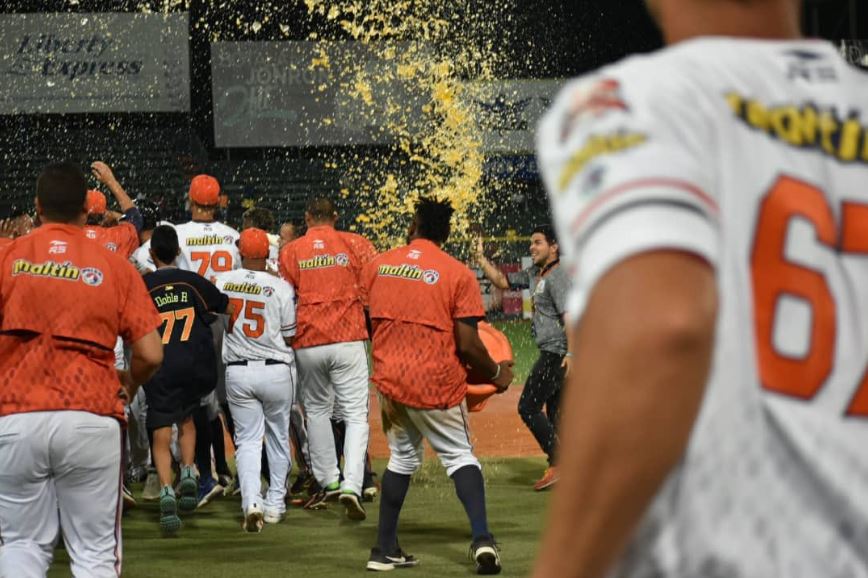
211 322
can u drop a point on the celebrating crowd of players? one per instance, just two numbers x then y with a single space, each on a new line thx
215 325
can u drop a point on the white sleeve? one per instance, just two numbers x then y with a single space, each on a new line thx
627 157
287 310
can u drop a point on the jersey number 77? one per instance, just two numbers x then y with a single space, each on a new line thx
775 277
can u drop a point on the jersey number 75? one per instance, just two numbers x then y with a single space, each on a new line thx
253 323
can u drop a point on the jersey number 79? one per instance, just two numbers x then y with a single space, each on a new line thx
775 277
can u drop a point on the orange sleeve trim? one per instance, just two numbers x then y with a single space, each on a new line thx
704 198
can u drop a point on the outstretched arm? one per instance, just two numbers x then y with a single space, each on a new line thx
643 351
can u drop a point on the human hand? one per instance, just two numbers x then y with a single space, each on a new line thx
103 173
504 375
567 365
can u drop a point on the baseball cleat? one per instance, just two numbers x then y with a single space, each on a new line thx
486 553
151 491
208 490
379 562
254 519
369 493
188 488
170 523
353 505
129 500
273 516
549 479
316 501
332 492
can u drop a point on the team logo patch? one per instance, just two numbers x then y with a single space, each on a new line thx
430 276
228 240
342 259
111 247
593 102
91 276
268 291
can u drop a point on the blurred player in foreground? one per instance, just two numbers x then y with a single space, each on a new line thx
712 204
260 376
424 308
61 399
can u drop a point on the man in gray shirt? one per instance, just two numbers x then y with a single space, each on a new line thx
549 286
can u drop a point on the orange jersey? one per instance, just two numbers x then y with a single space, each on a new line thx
416 293
5 241
63 303
122 239
324 266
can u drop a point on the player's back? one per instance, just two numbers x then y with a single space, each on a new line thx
186 302
207 248
264 312
324 267
766 144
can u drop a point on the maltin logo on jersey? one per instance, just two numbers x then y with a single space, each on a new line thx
409 272
324 261
207 240
806 127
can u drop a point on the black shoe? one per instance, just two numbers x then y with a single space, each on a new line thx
301 482
353 505
379 562
486 553
316 501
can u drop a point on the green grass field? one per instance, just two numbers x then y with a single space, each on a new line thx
433 525
311 544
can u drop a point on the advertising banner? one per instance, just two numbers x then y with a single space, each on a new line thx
94 63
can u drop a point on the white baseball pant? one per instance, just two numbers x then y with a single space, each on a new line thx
260 397
336 376
139 448
66 461
447 431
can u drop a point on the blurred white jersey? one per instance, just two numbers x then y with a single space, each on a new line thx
752 155
264 314
208 248
141 257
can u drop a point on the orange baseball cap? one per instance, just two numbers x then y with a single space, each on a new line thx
95 202
205 190
253 243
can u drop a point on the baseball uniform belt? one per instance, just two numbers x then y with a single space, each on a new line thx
267 362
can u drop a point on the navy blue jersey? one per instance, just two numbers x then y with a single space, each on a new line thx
187 303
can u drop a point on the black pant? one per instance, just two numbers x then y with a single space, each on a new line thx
543 389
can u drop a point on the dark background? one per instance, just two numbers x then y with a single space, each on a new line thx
155 155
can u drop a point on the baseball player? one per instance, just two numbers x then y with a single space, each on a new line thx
711 204
262 218
122 238
549 285
187 303
424 307
324 266
61 408
260 376
141 257
208 247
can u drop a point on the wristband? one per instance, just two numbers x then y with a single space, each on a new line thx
496 373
